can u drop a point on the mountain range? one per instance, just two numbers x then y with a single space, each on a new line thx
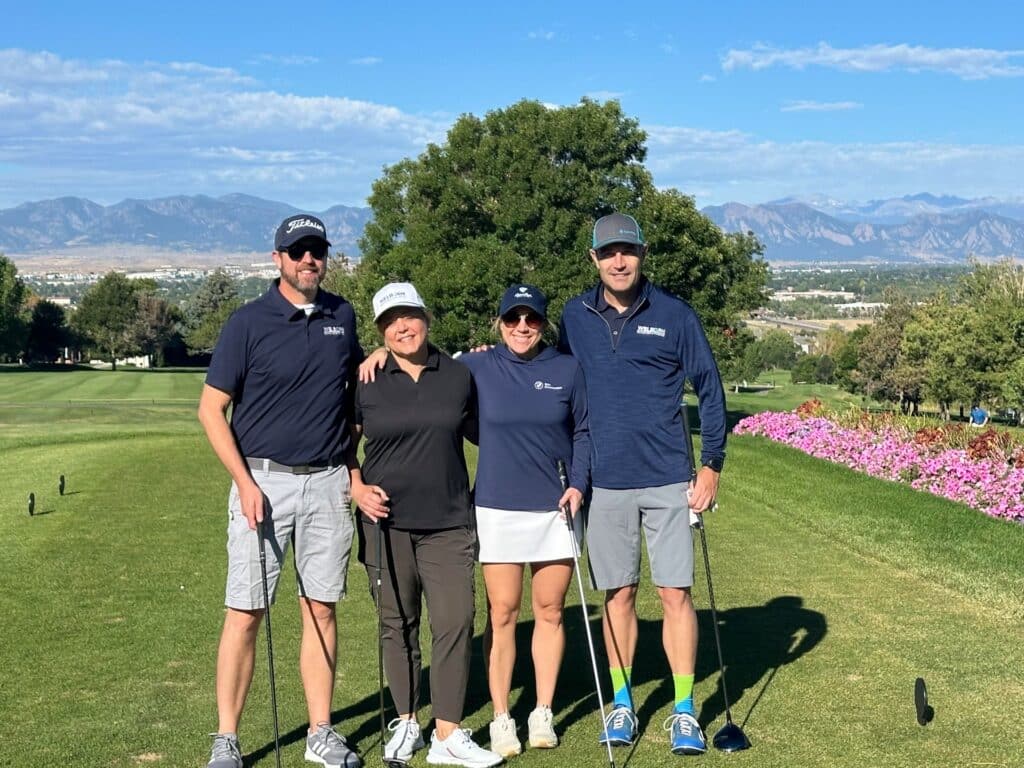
240 223
915 228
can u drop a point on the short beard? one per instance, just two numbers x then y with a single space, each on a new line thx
308 293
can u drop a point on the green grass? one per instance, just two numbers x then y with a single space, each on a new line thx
835 591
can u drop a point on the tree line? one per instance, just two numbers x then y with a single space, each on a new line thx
116 317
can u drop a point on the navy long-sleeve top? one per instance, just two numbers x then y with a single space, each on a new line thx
635 382
532 413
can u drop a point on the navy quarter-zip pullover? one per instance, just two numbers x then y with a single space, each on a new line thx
635 383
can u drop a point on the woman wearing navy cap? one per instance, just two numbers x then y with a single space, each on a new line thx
533 413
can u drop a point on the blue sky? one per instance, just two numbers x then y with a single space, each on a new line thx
307 102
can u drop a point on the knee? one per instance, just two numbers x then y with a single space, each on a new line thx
321 613
675 601
548 612
620 601
503 615
238 622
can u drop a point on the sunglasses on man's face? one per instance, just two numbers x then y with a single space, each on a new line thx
512 320
316 249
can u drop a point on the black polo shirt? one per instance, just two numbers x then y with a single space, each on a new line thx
291 377
413 432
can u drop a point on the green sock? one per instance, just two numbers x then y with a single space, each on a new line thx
620 684
684 692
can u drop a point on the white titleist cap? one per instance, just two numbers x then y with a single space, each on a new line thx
396 295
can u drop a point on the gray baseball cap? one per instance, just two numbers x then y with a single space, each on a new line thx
617 228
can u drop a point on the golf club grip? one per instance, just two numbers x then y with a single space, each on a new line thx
563 478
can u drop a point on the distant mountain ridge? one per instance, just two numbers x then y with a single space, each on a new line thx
195 223
914 228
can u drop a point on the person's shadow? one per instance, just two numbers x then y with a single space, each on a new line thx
756 641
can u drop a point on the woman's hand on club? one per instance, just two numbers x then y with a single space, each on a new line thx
372 500
571 499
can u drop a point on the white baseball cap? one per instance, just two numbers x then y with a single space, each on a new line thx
396 295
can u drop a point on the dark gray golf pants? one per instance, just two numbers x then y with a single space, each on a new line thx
437 565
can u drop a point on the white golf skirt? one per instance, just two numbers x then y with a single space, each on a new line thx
525 536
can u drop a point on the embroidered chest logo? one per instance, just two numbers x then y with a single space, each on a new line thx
650 330
334 330
544 385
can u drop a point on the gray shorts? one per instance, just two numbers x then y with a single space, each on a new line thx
613 536
310 510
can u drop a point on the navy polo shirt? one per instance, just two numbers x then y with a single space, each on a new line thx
413 434
291 377
532 413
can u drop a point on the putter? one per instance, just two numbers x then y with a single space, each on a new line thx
270 641
379 543
567 513
730 737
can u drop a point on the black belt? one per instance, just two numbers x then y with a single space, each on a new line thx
269 465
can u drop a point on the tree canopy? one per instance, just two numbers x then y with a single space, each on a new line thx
13 328
107 315
511 197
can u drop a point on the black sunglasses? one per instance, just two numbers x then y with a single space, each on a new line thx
317 249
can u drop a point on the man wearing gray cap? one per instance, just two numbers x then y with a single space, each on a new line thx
285 363
637 344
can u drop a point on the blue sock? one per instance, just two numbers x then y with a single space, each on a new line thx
686 705
620 682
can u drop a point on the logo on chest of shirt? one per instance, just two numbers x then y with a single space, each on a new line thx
650 330
334 330
539 385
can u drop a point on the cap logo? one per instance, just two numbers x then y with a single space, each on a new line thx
303 223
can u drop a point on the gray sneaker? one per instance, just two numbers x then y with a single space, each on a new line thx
226 752
329 748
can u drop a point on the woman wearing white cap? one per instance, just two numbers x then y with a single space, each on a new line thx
532 413
413 489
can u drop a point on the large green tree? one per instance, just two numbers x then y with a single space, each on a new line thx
208 309
107 316
47 332
512 196
13 328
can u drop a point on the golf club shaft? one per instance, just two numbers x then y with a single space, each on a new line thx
707 564
567 512
380 632
270 639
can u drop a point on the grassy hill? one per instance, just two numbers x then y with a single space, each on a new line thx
835 592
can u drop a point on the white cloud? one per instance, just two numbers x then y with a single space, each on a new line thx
707 78
284 60
541 34
110 129
367 61
820 106
734 165
965 63
606 95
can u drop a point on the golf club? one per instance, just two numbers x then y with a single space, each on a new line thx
379 542
730 737
270 640
567 513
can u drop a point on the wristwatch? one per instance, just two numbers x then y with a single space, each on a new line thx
714 463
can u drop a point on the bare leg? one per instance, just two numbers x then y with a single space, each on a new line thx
236 657
679 629
550 582
504 582
317 658
620 625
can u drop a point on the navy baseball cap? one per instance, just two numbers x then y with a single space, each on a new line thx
296 227
520 295
617 228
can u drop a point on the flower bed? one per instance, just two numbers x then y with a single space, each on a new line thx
982 469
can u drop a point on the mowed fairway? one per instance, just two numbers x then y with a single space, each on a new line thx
835 591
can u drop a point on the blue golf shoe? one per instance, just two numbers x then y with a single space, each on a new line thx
685 735
619 727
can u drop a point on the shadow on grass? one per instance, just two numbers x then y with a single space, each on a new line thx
756 641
